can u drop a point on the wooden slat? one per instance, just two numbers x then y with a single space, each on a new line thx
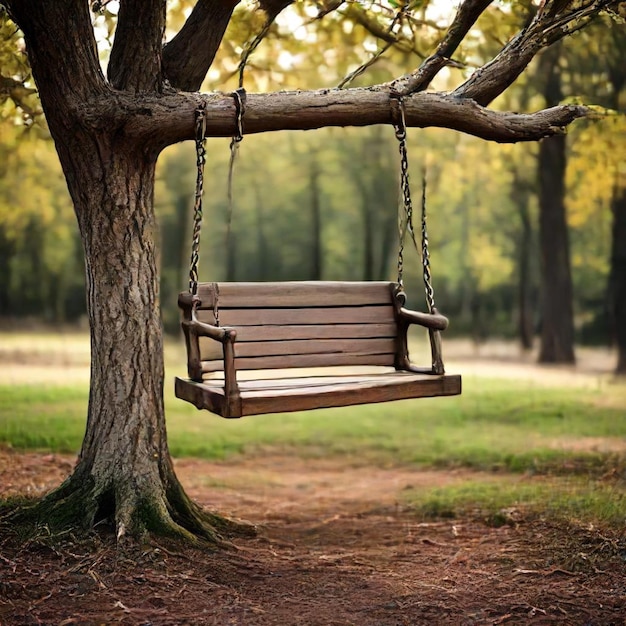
295 390
301 317
317 346
211 350
295 294
302 399
267 384
301 360
299 397
324 331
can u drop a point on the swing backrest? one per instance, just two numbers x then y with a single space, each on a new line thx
301 324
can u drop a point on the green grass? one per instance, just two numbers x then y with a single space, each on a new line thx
527 449
509 499
48 417
495 425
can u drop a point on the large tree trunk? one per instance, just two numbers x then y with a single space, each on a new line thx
617 278
557 327
124 472
126 422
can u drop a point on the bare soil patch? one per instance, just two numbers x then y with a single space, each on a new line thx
335 546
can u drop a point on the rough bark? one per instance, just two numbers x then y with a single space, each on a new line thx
551 23
126 415
135 63
124 471
467 14
165 119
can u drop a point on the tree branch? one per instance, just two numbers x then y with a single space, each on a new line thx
19 93
465 18
135 63
360 16
547 27
161 121
188 57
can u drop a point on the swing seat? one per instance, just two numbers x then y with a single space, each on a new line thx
262 353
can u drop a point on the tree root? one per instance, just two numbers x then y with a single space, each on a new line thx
79 506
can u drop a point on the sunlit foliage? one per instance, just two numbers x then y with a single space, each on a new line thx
474 197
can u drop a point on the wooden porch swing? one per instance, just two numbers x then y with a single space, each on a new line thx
273 347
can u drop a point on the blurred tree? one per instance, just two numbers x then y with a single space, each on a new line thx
557 314
41 274
521 192
596 181
617 277
109 132
315 203
368 163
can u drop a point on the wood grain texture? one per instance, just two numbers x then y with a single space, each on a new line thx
303 325
172 114
285 395
315 331
302 360
294 294
315 346
300 317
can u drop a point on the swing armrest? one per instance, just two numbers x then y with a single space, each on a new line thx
193 330
226 336
433 321
201 329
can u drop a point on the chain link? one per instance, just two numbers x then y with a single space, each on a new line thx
200 123
200 140
405 210
240 106
428 288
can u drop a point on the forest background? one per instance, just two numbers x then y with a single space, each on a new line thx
323 204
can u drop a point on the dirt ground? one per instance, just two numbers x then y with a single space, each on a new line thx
335 546
335 543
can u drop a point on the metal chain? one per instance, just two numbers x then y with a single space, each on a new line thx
428 288
240 106
405 216
200 140
216 303
197 207
405 212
